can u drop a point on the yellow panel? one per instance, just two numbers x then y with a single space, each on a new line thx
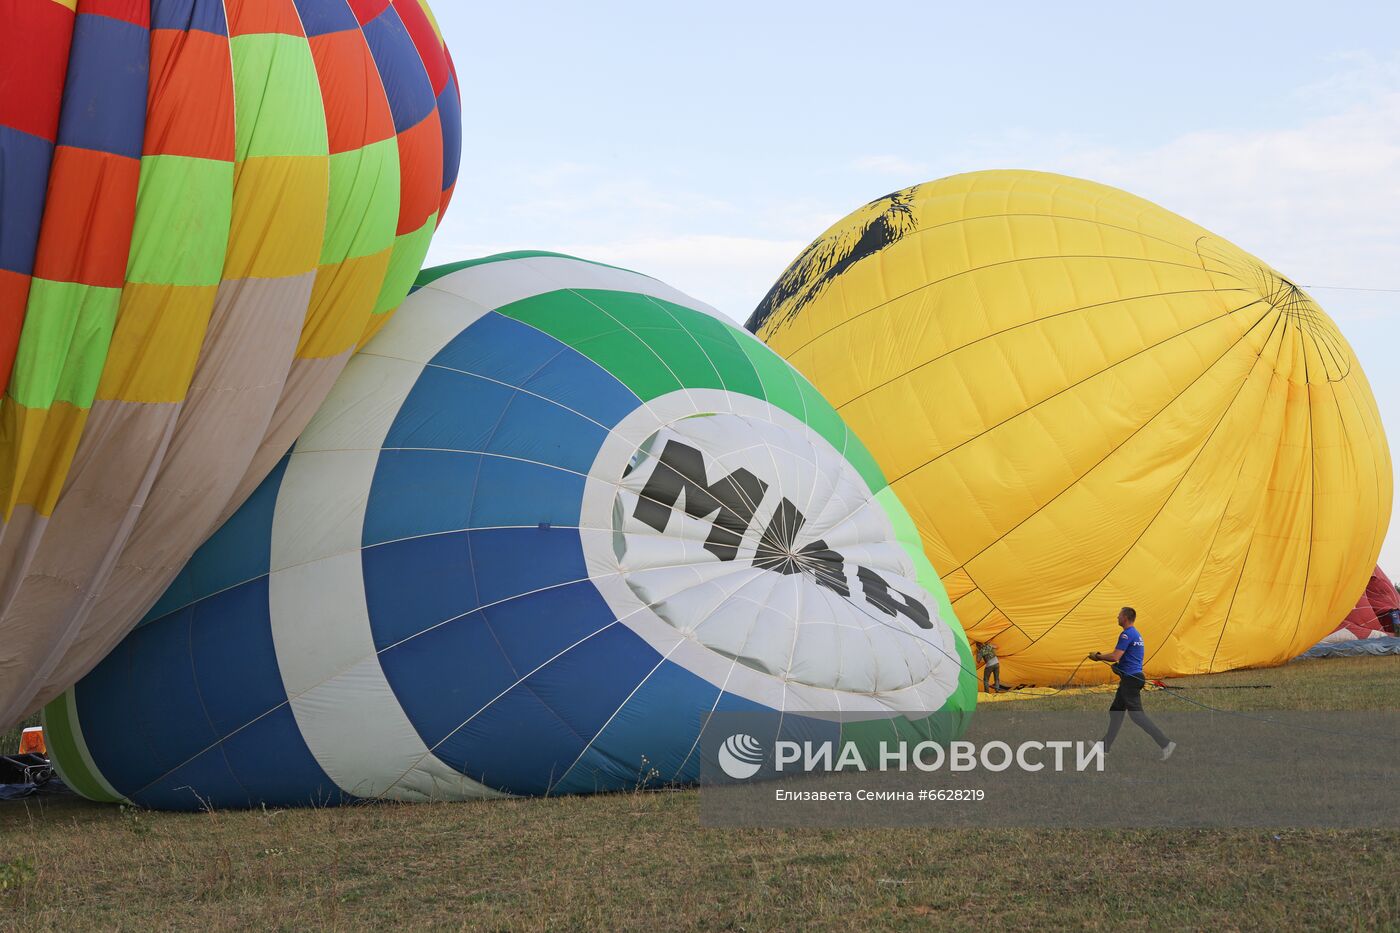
38 445
341 304
376 321
160 330
279 217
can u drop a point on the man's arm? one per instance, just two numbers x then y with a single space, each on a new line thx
1112 657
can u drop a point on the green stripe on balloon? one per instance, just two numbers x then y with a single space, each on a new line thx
363 209
277 97
67 331
184 209
410 250
64 744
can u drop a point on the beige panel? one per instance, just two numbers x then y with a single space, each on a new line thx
240 378
307 386
116 462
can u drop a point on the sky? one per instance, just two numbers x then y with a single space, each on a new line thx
707 144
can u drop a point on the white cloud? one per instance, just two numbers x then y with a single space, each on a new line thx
1321 201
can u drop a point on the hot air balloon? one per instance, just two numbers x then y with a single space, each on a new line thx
1088 402
204 208
552 518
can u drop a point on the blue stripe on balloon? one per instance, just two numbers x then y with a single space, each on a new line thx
417 583
660 722
104 99
186 15
448 410
578 383
204 781
241 550
449 106
196 700
525 741
235 660
515 492
507 351
322 17
414 584
465 490
271 760
517 744
533 629
406 83
396 507
499 349
140 709
453 671
24 181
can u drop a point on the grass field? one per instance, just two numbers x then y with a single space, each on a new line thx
640 861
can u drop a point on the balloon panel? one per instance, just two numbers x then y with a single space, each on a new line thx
208 205
1088 402
550 519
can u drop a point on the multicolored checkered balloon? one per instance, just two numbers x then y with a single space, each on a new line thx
207 205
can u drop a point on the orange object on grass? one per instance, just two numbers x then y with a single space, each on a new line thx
31 741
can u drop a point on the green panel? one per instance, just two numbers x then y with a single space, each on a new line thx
859 457
428 276
662 333
823 419
571 318
363 209
184 209
720 344
63 347
62 740
941 726
276 97
779 379
407 258
789 390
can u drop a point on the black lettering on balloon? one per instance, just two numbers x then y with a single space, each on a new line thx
733 500
775 551
733 497
888 601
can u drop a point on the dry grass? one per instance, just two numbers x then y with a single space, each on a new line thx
641 861
9 738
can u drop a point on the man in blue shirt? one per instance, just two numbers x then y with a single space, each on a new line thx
1126 659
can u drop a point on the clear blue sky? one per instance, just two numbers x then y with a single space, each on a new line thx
706 145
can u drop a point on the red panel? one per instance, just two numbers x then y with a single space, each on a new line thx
137 12
14 295
425 39
1380 593
446 200
366 10
34 43
420 173
357 110
86 235
252 17
190 108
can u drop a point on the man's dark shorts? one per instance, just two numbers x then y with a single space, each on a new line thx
1129 695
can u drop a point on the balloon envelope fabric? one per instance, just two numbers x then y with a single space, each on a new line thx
1089 402
551 518
206 206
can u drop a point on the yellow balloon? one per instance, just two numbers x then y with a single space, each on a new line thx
1087 402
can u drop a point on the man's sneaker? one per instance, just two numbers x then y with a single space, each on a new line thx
1167 750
